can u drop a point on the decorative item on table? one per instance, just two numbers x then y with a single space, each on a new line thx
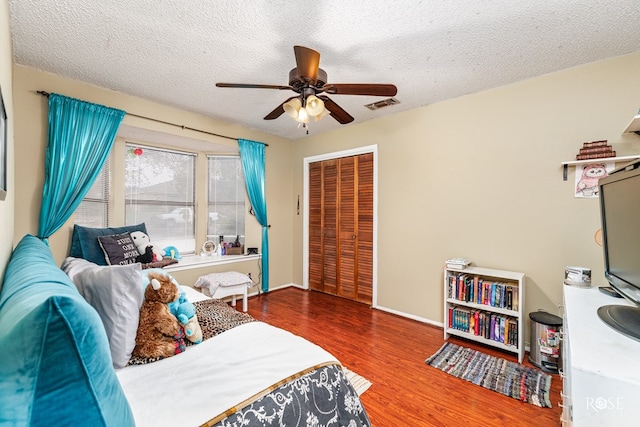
458 263
577 276
234 248
209 248
221 246
172 252
142 242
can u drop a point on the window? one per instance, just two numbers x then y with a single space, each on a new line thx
160 191
93 211
225 198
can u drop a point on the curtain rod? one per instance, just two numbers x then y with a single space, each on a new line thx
45 93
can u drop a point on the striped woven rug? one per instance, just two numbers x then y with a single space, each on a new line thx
509 378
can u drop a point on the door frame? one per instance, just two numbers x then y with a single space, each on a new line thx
305 212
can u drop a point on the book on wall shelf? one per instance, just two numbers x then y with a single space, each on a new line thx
595 150
485 305
458 263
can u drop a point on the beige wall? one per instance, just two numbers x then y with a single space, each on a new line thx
6 206
479 176
30 130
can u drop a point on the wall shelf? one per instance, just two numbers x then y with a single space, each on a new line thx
565 165
634 126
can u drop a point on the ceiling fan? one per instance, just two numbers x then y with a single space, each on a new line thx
309 81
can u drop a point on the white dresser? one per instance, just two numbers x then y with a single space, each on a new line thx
601 372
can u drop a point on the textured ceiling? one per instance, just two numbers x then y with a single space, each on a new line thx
174 52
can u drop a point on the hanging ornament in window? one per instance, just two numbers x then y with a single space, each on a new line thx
135 152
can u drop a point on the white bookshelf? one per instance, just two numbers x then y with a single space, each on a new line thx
491 275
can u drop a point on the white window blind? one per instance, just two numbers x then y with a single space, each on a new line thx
160 191
226 198
93 211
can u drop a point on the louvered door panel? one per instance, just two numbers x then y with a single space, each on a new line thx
330 225
364 265
347 226
315 227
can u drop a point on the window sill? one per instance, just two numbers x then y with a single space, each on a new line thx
189 262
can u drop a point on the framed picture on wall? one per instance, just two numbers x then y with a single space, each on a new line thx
3 149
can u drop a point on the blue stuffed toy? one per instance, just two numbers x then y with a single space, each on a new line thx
175 305
172 252
186 315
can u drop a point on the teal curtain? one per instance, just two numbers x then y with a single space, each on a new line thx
81 135
252 155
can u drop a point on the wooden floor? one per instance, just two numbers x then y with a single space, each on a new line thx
390 351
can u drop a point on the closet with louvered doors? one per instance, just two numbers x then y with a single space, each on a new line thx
341 227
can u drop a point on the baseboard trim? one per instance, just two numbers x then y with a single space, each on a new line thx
258 289
409 316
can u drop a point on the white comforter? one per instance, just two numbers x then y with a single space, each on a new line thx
207 379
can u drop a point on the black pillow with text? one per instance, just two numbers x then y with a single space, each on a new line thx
118 249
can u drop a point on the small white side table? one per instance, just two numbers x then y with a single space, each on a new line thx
228 283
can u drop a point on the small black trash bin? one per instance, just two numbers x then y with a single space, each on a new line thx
545 351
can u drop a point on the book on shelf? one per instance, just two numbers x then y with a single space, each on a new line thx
592 150
458 263
475 289
592 144
595 155
507 327
491 326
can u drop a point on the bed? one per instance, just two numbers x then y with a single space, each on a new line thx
59 356
246 373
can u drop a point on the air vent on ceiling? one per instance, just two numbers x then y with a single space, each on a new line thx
384 103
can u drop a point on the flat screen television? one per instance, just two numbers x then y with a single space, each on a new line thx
620 215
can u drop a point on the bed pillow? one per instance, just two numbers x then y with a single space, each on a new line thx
118 249
84 241
115 292
55 363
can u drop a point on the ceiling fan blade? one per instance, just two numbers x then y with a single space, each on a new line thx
373 89
253 86
336 111
308 62
278 111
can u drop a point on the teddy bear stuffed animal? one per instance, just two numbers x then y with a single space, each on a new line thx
157 327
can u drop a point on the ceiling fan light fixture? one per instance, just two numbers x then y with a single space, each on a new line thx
303 116
323 113
308 80
292 108
314 106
